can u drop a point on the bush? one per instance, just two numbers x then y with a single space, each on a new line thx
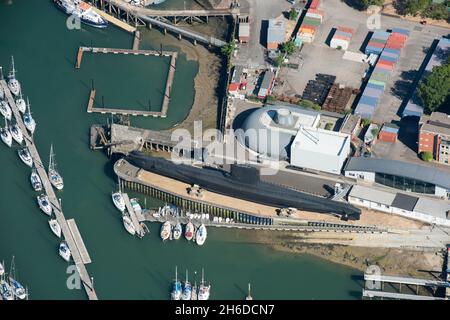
426 156
308 104
365 122
293 14
329 126
288 47
279 60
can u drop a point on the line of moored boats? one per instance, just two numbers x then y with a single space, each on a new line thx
13 132
10 288
187 291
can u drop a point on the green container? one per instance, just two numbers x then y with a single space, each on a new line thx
309 21
377 82
379 76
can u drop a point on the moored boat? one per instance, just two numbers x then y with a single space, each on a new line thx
176 287
55 178
17 289
6 135
21 105
82 11
187 289
189 232
25 156
249 295
135 205
16 133
55 227
2 269
28 120
36 182
177 231
13 83
165 230
5 290
200 236
44 204
118 200
204 290
5 110
128 224
194 291
64 251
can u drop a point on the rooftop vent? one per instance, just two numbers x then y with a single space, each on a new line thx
283 117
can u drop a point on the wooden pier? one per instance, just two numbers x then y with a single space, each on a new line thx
133 215
123 111
117 22
136 40
75 243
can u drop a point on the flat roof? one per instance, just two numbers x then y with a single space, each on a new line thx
435 208
405 202
320 140
399 168
437 122
371 194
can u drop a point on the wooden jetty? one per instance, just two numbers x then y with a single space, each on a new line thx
136 40
76 245
134 219
117 22
112 110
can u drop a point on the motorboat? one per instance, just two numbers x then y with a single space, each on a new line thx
128 224
83 11
177 231
25 156
165 230
55 227
64 251
200 236
118 200
189 232
36 180
44 204
21 105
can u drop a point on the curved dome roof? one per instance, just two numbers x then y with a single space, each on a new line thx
270 130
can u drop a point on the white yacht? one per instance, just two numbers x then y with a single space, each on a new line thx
189 232
83 11
55 227
64 251
25 156
55 178
13 84
5 290
176 288
201 235
17 289
128 224
203 290
117 198
21 104
5 110
2 269
2 93
177 231
44 204
165 230
36 180
6 135
16 133
187 289
28 120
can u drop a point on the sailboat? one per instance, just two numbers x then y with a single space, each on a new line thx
176 288
187 289
55 178
64 251
25 156
189 233
201 235
5 110
35 180
177 231
128 224
2 93
165 230
6 135
16 133
20 103
17 288
55 227
44 204
2 269
194 291
13 84
5 289
28 120
203 290
249 295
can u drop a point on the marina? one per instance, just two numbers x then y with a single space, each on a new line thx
75 244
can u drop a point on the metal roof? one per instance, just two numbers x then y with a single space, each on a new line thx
404 202
435 208
399 168
372 194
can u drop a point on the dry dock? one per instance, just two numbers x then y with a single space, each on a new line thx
75 243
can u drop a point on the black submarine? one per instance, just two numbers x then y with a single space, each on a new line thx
243 182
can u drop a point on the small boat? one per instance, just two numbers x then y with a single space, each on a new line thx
25 156
189 233
5 290
5 110
13 83
6 135
35 181
2 269
17 289
117 198
28 120
165 230
21 105
176 288
2 93
82 11
55 178
177 231
128 225
203 290
135 205
64 251
44 204
187 289
55 227
194 291
201 235
16 133
249 295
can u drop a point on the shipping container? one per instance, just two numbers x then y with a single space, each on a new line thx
387 58
375 86
378 83
315 16
366 112
345 29
370 101
379 76
395 51
380 41
373 50
387 136
384 67
310 21
343 34
386 62
336 43
375 44
314 4
381 35
374 93
341 38
402 31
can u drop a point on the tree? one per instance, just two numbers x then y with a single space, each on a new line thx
279 60
364 4
435 89
426 156
227 50
309 104
365 122
293 14
288 47
413 7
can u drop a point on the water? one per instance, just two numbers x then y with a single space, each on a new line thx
123 267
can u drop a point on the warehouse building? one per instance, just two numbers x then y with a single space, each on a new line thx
291 134
276 33
400 175
424 209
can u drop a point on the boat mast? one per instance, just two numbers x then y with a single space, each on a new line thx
176 274
50 163
187 276
203 280
12 73
28 106
12 270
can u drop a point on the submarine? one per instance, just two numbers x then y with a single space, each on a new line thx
243 182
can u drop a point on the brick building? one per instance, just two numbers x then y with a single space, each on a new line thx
434 136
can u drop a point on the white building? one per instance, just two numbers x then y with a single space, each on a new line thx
320 149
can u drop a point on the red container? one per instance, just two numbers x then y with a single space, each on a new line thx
345 29
314 4
384 67
316 11
394 46
386 63
336 36
399 35
387 136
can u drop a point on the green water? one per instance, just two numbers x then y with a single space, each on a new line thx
123 267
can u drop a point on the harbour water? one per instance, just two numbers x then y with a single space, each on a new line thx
123 267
